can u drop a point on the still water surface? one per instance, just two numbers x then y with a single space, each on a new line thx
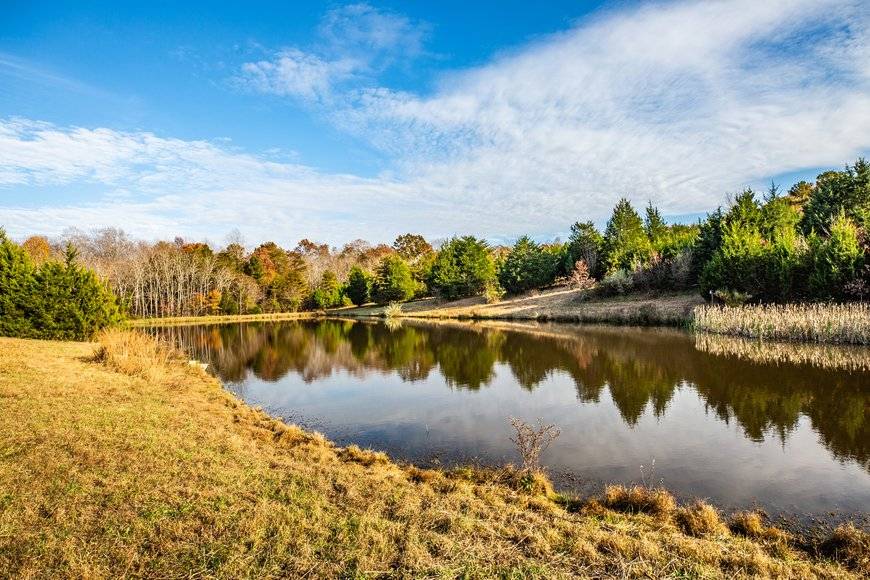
791 438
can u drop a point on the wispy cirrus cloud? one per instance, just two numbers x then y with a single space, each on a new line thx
357 42
676 102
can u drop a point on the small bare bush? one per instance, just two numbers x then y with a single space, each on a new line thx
532 441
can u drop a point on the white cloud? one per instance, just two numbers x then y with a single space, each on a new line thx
357 42
292 72
675 102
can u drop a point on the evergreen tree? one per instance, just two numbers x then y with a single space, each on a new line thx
655 225
328 292
626 245
835 191
527 266
463 267
586 243
835 259
70 302
393 281
358 286
16 288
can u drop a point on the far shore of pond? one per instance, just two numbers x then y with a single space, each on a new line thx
555 305
821 323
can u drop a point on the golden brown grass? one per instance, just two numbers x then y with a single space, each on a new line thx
850 545
136 354
105 474
638 499
700 519
829 323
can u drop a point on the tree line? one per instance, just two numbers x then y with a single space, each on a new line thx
809 243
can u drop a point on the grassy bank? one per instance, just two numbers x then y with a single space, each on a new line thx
822 323
131 463
558 305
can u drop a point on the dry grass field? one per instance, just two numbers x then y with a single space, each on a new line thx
124 461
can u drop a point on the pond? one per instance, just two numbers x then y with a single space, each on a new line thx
782 427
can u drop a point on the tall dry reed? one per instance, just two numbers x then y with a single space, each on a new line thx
135 353
824 323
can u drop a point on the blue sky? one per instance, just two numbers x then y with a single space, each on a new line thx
338 121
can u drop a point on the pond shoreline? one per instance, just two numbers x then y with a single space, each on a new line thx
790 323
196 465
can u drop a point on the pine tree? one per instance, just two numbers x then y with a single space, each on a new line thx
626 245
654 224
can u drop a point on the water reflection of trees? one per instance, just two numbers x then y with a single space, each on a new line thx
641 369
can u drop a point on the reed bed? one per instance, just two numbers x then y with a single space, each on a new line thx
820 323
834 357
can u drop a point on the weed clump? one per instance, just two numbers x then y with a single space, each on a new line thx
849 545
638 499
747 524
365 457
700 519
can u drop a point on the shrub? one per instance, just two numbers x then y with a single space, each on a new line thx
462 268
527 266
358 287
493 292
836 259
393 281
393 310
618 282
